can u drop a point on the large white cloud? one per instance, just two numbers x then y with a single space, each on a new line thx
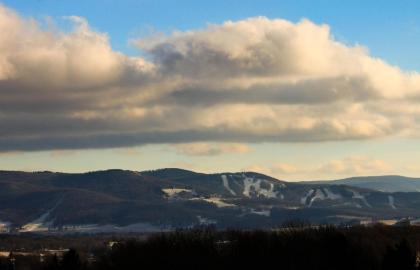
255 80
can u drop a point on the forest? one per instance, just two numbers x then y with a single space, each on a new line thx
377 247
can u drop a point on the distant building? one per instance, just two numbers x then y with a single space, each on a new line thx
111 244
4 227
415 222
389 222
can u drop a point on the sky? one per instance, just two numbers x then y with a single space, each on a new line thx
299 90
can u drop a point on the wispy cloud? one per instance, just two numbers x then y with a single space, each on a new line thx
128 151
63 153
357 165
207 149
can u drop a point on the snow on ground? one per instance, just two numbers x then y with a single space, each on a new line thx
173 193
255 185
215 200
349 217
226 185
305 198
357 195
391 201
319 195
331 195
291 207
276 194
253 211
266 213
41 223
206 221
95 228
357 205
38 225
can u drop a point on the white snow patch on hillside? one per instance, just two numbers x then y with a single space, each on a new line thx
253 211
291 207
173 193
95 228
331 195
319 195
215 200
226 185
41 223
357 195
391 202
305 198
206 221
248 183
349 217
274 194
357 205
255 185
266 213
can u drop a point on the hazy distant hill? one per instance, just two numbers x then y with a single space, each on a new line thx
388 183
118 200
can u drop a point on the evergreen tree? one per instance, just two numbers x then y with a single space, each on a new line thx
71 261
400 257
52 263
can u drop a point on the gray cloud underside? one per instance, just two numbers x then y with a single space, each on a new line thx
126 139
255 80
327 91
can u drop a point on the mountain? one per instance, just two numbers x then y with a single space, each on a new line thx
122 201
387 183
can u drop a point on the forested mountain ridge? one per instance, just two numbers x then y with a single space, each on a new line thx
120 200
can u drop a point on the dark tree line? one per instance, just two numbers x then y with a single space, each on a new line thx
324 248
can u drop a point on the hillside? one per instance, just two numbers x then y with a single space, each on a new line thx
386 183
118 200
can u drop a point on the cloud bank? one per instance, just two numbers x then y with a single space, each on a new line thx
255 80
356 165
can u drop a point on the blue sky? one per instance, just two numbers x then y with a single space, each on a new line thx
370 23
389 30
